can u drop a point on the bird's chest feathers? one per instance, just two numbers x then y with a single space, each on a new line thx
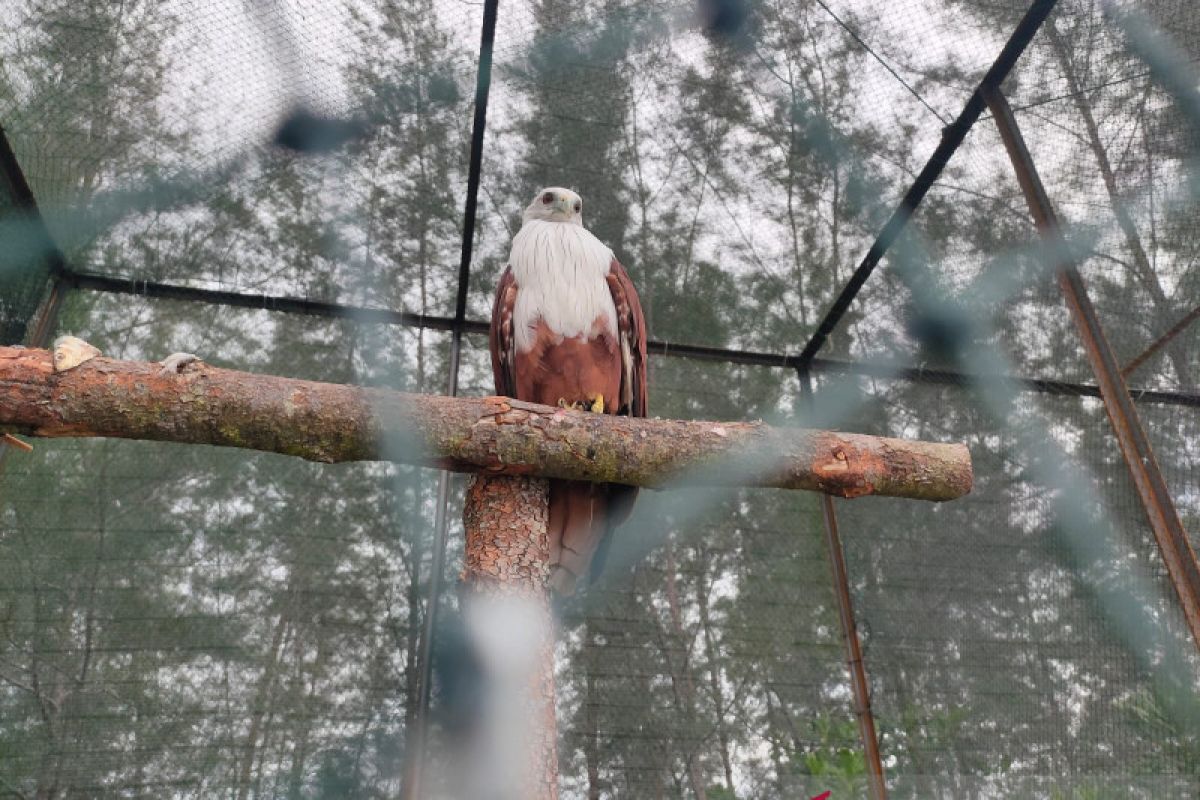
561 272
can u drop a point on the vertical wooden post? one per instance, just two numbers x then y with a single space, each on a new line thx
507 614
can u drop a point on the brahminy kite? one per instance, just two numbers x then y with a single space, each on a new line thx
567 330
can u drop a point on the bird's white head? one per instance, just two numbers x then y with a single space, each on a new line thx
556 204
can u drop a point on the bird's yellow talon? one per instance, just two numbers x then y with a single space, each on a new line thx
596 404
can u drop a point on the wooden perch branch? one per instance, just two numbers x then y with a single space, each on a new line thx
334 423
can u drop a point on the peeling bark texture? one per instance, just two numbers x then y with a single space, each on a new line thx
497 435
506 563
508 547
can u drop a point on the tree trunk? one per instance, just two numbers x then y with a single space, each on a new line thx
1142 269
259 705
513 753
712 656
675 650
333 423
591 709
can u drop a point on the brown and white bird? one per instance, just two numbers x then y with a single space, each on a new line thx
567 330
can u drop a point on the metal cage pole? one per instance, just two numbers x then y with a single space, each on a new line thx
12 177
418 738
952 137
860 687
1177 553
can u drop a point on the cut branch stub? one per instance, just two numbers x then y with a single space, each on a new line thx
333 423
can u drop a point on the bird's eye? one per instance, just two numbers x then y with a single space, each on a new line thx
578 206
548 198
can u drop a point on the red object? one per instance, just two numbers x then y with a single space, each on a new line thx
823 796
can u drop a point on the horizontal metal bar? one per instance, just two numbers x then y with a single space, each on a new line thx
292 305
1039 385
263 302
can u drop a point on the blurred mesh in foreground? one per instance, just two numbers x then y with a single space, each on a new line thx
196 623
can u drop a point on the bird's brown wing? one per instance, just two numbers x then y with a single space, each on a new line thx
501 341
631 330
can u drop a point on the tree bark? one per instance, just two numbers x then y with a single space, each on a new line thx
676 651
591 710
507 613
335 423
258 712
713 658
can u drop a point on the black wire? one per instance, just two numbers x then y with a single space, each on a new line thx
365 315
882 63
952 136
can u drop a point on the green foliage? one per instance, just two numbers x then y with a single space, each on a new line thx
837 767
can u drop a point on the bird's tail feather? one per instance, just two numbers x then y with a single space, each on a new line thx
577 523
581 522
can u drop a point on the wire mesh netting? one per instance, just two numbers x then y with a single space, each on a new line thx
191 622
980 627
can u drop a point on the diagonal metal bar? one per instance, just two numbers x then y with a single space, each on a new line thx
952 136
1161 342
12 180
43 246
1177 553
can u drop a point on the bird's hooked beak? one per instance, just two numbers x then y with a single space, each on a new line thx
563 204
